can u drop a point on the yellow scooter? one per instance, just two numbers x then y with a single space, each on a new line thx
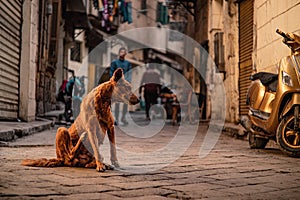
274 103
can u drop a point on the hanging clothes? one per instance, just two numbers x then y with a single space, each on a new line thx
100 5
115 8
129 12
123 10
126 7
105 16
110 10
115 14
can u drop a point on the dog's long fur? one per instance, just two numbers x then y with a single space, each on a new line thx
90 127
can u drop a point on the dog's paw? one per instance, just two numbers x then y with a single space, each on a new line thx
108 166
100 167
115 163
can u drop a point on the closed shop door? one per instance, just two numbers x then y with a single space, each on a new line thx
245 51
10 34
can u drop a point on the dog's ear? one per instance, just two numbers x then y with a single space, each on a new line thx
118 75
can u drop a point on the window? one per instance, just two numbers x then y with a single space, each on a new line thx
53 50
76 52
219 51
143 4
143 7
162 13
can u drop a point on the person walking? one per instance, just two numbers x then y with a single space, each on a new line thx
126 66
151 84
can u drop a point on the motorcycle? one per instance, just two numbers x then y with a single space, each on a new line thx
274 103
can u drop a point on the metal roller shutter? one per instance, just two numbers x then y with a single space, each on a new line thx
245 51
10 34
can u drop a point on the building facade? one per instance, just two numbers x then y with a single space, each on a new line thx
240 37
213 24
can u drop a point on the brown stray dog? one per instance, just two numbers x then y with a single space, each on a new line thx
94 121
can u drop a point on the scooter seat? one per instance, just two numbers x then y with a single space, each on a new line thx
269 80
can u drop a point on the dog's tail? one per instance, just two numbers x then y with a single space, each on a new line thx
43 162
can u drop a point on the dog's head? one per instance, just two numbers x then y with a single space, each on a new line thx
122 90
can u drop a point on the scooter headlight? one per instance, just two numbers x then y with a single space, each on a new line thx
287 79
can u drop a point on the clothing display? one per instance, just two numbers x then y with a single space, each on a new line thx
111 12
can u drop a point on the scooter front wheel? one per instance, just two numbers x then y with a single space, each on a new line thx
288 134
257 142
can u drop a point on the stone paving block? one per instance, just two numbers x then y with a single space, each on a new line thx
59 180
146 177
249 189
230 175
190 180
81 189
226 197
25 191
149 197
199 190
182 175
287 193
139 185
279 181
90 196
78 173
194 187
141 192
234 182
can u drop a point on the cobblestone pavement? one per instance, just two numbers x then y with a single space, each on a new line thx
230 171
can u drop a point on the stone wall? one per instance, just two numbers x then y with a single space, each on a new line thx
28 60
223 17
269 15
230 28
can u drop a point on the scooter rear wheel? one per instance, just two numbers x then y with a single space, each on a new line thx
288 134
257 142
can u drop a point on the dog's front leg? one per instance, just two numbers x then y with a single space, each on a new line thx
94 142
112 142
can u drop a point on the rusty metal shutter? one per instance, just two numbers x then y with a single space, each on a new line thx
245 51
10 34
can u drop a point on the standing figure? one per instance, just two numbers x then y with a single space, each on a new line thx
126 66
151 84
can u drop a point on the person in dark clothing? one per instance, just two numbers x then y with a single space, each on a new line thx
151 84
126 66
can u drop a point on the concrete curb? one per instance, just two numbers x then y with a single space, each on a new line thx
12 130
